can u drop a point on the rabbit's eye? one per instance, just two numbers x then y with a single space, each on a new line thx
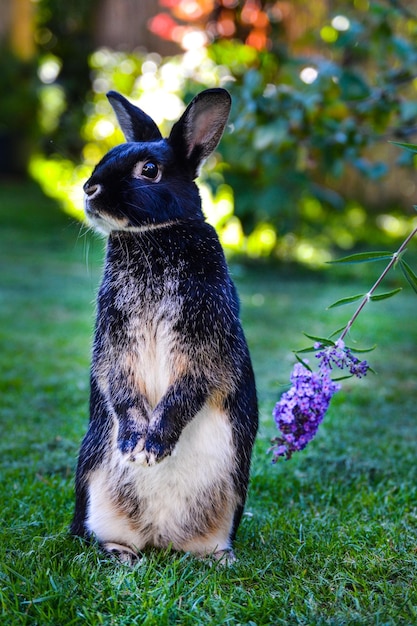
149 170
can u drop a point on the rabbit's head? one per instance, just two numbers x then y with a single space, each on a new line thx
148 182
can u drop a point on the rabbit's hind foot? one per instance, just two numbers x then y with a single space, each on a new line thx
122 553
225 558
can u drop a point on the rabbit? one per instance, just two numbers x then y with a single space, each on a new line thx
173 408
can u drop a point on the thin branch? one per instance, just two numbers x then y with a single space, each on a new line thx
367 297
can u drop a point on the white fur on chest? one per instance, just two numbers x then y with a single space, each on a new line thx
147 353
152 363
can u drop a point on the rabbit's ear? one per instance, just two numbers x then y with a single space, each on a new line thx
198 131
135 124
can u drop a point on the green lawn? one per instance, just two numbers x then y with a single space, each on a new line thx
328 537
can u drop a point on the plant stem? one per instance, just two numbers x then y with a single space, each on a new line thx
367 297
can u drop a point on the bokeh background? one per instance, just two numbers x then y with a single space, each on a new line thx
305 169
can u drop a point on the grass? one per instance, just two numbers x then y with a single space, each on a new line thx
329 538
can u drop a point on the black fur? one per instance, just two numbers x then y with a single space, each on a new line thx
168 347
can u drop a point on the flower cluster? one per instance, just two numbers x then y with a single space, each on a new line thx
342 357
302 408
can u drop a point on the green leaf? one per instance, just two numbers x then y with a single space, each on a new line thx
300 360
305 350
337 332
347 300
363 257
353 86
361 350
387 294
323 340
409 274
407 146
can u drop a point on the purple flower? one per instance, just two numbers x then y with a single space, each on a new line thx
302 408
342 357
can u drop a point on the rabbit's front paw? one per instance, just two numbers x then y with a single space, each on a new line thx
146 451
156 448
131 435
132 448
131 443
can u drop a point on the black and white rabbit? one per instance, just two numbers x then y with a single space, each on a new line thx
173 409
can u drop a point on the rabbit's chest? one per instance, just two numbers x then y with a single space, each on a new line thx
152 350
146 344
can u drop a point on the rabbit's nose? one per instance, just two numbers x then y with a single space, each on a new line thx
92 190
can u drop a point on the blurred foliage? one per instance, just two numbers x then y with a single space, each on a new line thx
201 21
301 121
63 37
43 93
311 105
19 86
19 106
